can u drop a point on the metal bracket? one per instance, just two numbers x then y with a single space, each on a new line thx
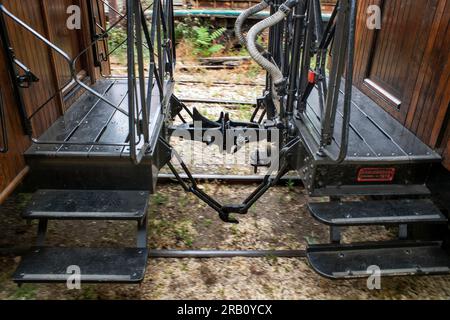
42 232
335 235
228 135
25 80
403 231
225 211
142 233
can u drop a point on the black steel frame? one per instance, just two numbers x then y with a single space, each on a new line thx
292 44
336 40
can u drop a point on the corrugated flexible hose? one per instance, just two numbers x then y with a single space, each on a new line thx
244 16
256 30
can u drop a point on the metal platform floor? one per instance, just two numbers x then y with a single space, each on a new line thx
375 136
90 119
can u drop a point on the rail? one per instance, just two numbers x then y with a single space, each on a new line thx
338 41
158 39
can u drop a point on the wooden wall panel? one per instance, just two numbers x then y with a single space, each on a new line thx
11 163
409 58
389 65
431 100
59 34
34 54
48 18
446 148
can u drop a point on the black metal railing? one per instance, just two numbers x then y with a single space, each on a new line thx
303 49
157 39
318 45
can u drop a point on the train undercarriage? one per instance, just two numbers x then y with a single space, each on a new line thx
101 159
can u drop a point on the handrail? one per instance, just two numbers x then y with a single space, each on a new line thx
347 18
339 38
71 62
139 96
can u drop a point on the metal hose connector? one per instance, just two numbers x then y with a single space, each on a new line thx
256 30
244 16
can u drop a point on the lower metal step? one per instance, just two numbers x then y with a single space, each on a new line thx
88 205
372 190
102 265
393 259
376 212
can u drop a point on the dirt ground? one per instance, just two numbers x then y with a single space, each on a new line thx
180 221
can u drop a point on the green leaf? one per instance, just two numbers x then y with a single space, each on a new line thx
215 48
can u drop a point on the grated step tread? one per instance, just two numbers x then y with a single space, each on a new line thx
97 265
405 211
88 205
393 259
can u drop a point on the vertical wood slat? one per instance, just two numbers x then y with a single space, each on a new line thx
433 105
425 72
446 152
48 34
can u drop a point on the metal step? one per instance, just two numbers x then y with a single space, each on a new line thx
393 259
88 205
43 264
372 190
377 212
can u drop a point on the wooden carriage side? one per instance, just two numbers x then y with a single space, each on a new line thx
100 159
405 66
49 19
406 75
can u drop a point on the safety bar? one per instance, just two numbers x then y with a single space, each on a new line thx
338 39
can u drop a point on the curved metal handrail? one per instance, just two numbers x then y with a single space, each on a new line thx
71 62
137 112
